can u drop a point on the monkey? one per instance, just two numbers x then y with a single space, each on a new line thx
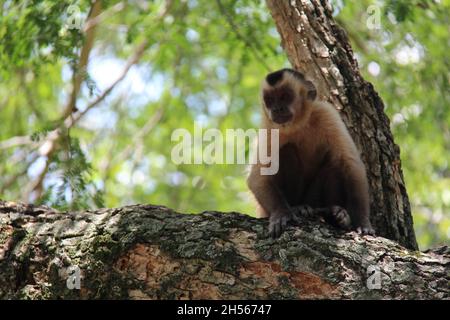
319 164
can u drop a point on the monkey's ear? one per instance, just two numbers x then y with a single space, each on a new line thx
311 91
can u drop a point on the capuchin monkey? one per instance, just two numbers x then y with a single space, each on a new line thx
319 165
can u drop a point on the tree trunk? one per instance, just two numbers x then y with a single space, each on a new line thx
151 252
319 48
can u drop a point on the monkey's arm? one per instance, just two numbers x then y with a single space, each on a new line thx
357 196
346 155
356 186
271 200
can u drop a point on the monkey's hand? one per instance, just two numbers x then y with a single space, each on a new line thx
278 221
303 210
365 228
338 217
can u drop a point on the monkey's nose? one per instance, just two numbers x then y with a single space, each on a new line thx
278 109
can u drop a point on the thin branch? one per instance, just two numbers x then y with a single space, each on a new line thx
140 135
70 121
91 23
77 78
79 72
15 142
126 153
68 116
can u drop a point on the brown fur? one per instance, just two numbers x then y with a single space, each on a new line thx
320 165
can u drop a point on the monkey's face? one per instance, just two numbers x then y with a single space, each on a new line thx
286 94
278 103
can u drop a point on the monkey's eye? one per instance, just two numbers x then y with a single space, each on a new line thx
268 100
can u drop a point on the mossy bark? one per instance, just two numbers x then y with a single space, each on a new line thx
318 47
152 252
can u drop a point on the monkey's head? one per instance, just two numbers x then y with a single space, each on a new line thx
286 95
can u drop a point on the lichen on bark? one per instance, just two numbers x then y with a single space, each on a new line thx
152 252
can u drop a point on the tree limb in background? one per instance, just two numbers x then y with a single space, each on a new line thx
80 69
35 187
72 119
71 115
140 135
95 20
15 142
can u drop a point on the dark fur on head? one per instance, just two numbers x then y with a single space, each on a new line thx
274 77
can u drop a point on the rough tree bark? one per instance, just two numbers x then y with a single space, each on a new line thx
318 47
151 252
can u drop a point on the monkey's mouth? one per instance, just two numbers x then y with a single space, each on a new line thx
281 118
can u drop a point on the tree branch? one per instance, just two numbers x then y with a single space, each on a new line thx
152 252
79 71
15 142
71 120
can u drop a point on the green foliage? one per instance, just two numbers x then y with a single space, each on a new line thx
74 189
203 62
32 34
